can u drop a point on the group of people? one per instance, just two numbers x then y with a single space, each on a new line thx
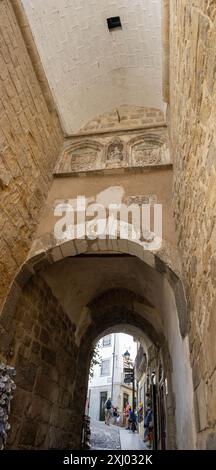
111 413
148 425
130 417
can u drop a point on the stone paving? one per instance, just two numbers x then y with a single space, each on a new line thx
111 437
104 437
131 441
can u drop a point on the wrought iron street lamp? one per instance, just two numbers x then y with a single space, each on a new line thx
131 377
126 355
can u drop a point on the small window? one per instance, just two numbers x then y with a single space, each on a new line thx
107 340
114 22
105 367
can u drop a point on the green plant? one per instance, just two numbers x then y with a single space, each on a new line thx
95 358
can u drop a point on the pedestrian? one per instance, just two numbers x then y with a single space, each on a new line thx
148 424
108 411
133 420
127 409
115 415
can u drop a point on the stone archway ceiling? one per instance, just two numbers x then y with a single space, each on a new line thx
90 69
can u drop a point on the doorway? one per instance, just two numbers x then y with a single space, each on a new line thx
103 399
125 400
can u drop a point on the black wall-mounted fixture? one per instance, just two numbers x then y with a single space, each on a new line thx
114 22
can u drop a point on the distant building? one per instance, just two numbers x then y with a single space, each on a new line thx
152 388
108 376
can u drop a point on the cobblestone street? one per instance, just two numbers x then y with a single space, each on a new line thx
112 437
104 437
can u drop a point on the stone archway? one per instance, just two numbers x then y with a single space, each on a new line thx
110 313
172 311
46 251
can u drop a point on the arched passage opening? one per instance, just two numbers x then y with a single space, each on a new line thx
112 313
124 369
58 309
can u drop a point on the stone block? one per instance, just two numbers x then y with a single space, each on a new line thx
26 373
13 435
181 308
102 244
211 400
68 249
54 438
196 374
64 398
42 432
211 441
201 403
28 322
209 341
81 246
53 372
39 409
44 336
36 347
28 433
56 254
8 311
21 400
48 355
23 276
5 341
46 388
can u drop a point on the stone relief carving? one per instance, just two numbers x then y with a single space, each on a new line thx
140 151
149 199
140 200
115 151
83 156
146 152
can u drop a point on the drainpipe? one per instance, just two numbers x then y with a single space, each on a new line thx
133 391
113 366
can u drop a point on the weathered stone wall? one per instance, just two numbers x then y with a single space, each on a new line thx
149 185
39 341
124 117
193 139
30 139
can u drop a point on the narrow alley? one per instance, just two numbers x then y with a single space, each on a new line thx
107 225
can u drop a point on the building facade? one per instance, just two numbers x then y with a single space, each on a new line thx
108 376
153 392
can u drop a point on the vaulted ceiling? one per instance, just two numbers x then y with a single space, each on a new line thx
90 69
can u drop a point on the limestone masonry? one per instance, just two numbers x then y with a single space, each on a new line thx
126 116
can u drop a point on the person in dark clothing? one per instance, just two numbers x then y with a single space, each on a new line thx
133 420
108 411
115 415
148 422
